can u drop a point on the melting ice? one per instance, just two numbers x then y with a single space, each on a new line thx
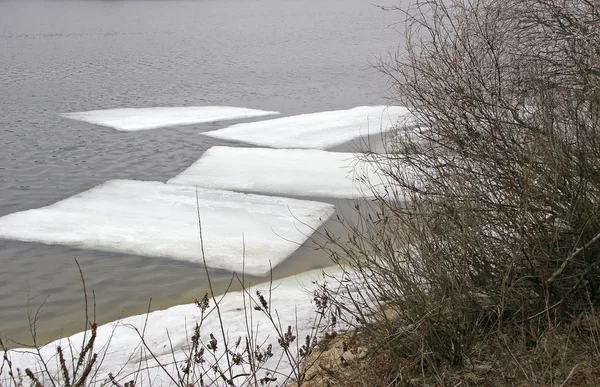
120 347
316 130
299 172
159 220
133 119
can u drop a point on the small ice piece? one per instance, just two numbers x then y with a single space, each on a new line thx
159 220
316 130
298 172
134 119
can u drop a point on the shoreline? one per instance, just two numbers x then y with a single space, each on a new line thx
121 346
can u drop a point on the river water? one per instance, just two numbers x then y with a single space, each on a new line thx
292 56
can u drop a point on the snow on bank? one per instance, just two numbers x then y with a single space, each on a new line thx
315 130
119 345
132 119
155 219
301 172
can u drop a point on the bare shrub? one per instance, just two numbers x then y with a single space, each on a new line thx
490 218
72 366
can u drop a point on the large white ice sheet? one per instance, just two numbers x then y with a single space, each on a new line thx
299 172
316 130
132 119
155 219
119 346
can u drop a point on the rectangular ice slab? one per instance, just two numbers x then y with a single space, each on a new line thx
315 130
301 172
155 219
131 119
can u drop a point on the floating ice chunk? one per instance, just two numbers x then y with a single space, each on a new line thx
155 219
301 172
167 334
131 119
316 130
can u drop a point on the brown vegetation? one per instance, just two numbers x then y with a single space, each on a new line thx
484 246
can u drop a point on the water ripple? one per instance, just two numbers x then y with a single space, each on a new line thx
292 56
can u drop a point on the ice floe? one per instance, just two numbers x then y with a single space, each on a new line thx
316 130
160 220
167 334
298 172
134 119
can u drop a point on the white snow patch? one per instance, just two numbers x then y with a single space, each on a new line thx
316 130
155 219
300 172
133 119
118 344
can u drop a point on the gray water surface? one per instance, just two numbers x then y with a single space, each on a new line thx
294 56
